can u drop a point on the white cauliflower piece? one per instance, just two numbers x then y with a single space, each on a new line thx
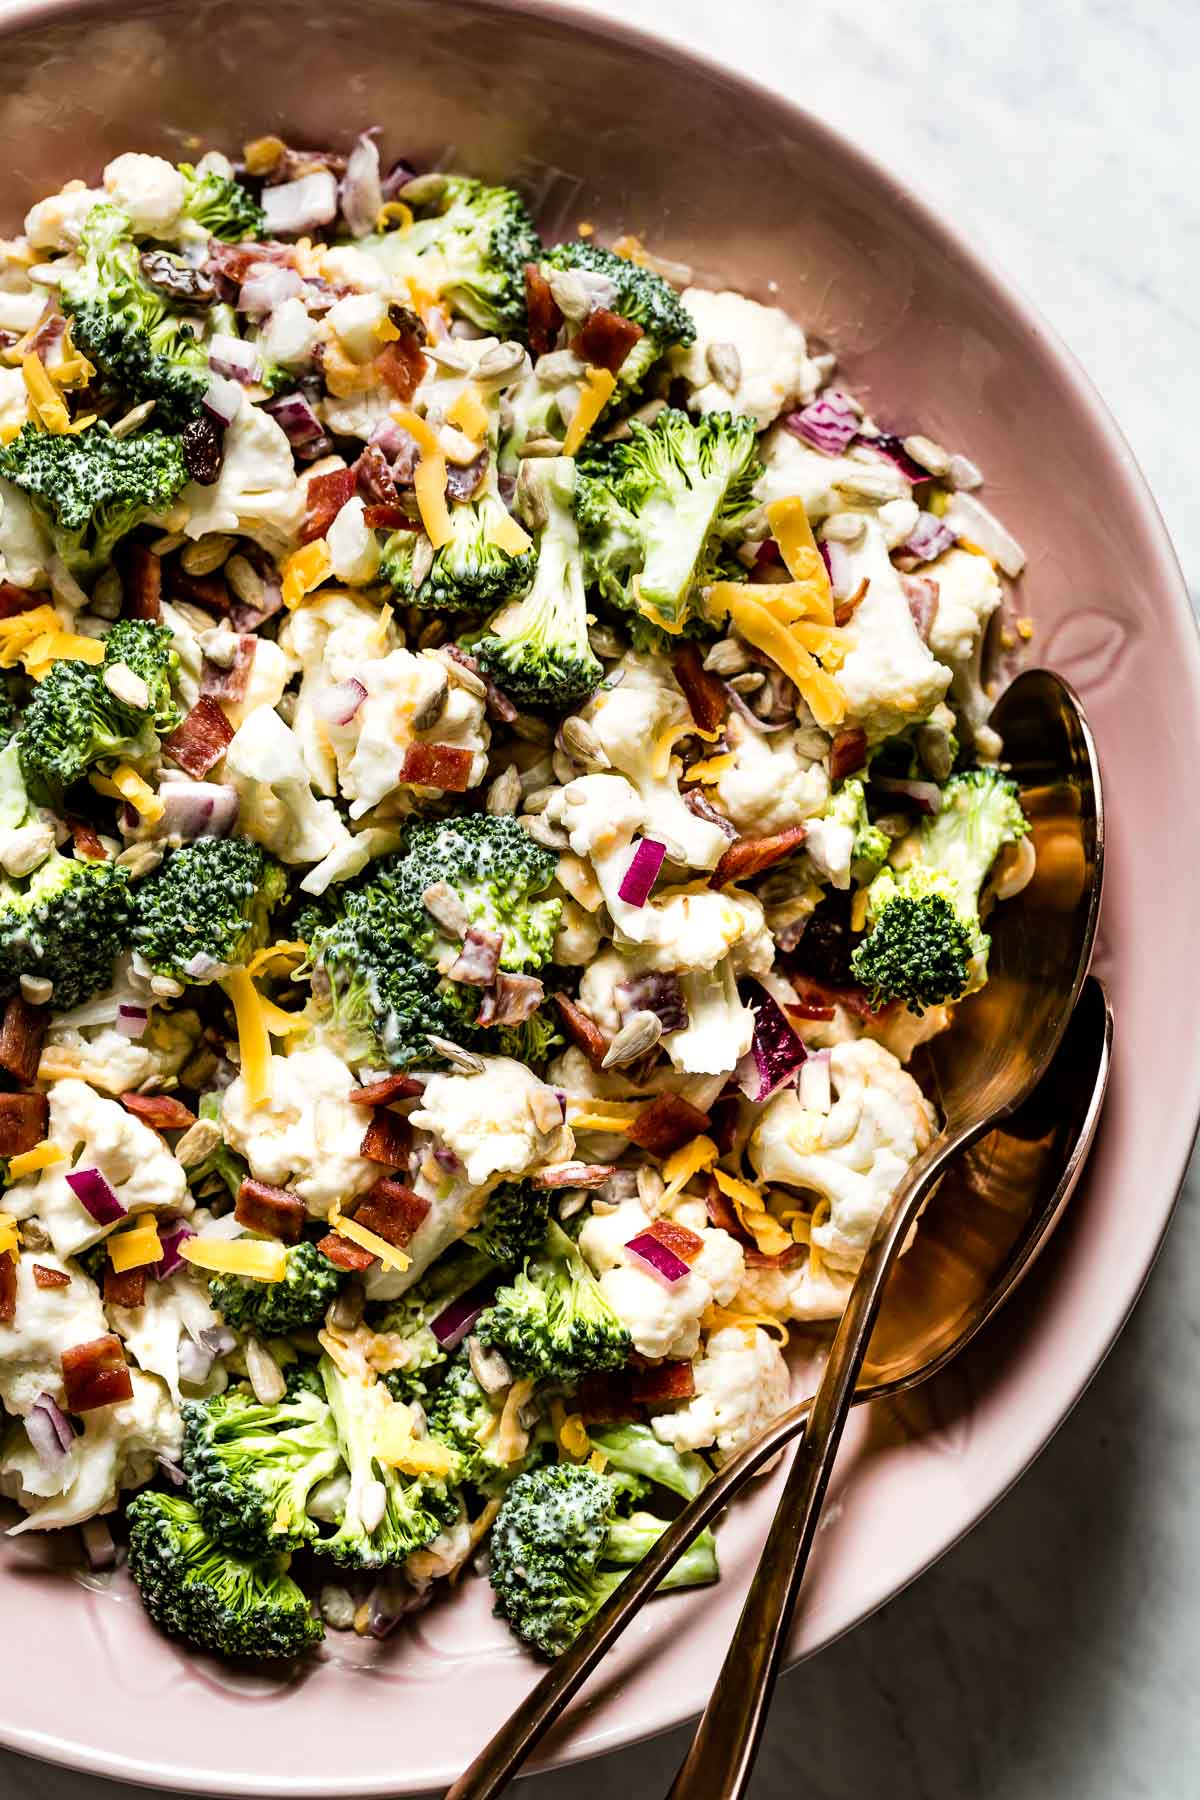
152 1331
776 371
968 594
488 1122
278 808
271 668
95 1133
353 545
357 415
14 398
775 781
578 937
803 1293
306 1135
843 835
793 469
333 636
290 335
106 1059
889 677
742 1383
257 492
345 266
662 1318
25 548
119 1448
356 320
20 312
454 1208
184 624
56 222
149 189
855 1156
401 688
46 1321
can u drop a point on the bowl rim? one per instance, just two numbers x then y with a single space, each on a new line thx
961 249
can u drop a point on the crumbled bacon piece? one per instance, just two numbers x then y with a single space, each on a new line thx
162 1111
22 1034
14 600
8 1288
606 1399
572 1175
543 314
392 1087
373 477
124 1287
96 1374
400 365
50 1278
582 1029
605 339
343 1254
478 962
141 584
511 1000
685 1244
847 753
663 1381
703 691
781 1259
85 840
231 683
271 1211
208 591
325 496
721 1212
201 739
750 856
233 262
667 1123
922 593
817 999
387 1139
392 1211
443 766
723 1124
389 517
463 479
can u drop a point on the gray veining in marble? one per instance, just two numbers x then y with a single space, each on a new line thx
1055 1655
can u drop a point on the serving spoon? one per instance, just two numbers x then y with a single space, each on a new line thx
1005 1040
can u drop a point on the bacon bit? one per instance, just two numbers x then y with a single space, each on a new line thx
373 477
442 766
722 1214
845 610
208 591
387 1140
391 517
704 693
605 339
667 1123
400 365
922 593
750 856
271 1211
849 752
574 1174
14 600
85 840
723 1125
199 742
478 962
230 684
817 999
124 1287
325 497
582 1029
50 1278
392 1211
234 261
22 1034
392 1087
511 1000
782 1259
142 584
343 1254
162 1111
543 313
810 1009
499 705
606 1399
96 1374
665 1381
8 1288
686 1244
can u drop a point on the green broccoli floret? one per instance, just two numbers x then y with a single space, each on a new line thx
221 205
553 1321
513 1223
924 941
642 296
470 573
386 1514
537 648
66 923
273 1308
464 1417
564 1540
658 510
411 1317
205 1595
74 719
92 488
251 1468
221 1160
127 327
534 1041
495 870
469 244
848 809
207 907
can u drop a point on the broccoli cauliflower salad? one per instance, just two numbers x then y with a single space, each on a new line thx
495 787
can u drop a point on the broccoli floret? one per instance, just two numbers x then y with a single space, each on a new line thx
552 1321
251 1468
273 1308
93 488
537 648
495 870
411 1317
66 922
469 244
221 1160
514 1222
196 1591
640 295
657 511
221 205
470 573
535 1040
924 941
127 327
463 1417
386 1514
74 719
564 1540
633 1450
207 907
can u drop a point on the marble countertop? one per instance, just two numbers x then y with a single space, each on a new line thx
1054 1652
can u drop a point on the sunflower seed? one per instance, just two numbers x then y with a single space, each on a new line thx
448 353
570 292
725 365
422 560
504 795
727 657
372 1505
549 836
542 445
432 705
137 415
336 1606
747 684
198 1141
445 906
558 367
266 1377
462 676
245 582
538 800
161 986
140 859
565 767
876 485
931 456
466 1060
210 553
431 635
423 189
347 1310
539 774
500 361
962 474
650 1187
581 741
605 643
170 540
844 528
532 730
488 1367
646 415
640 1032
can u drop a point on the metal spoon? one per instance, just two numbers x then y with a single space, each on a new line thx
1004 1040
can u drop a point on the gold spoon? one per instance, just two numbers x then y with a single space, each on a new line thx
1004 1041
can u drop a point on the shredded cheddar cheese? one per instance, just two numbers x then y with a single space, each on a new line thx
129 785
509 536
259 1259
370 1241
512 1440
136 1247
757 625
261 154
766 1231
289 949
29 1162
398 1448
668 737
712 768
304 570
798 547
597 1462
719 1318
682 1164
469 413
253 1035
10 1239
597 392
602 1122
44 397
394 212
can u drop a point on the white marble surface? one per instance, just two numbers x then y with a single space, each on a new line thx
1055 1652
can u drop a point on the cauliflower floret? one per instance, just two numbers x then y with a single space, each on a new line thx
742 1383
353 545
634 722
401 688
356 320
290 335
184 624
98 1134
889 677
149 189
56 222
20 313
257 491
306 1135
334 636
153 1330
775 370
119 1448
662 1319
46 1321
25 550
271 668
488 1121
106 1059
775 781
802 1293
856 1155
278 808
14 399
968 594
844 836
346 267
454 1208
358 415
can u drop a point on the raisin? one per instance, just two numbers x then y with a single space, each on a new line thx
203 444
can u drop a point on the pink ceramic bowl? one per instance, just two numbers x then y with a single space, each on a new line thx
599 123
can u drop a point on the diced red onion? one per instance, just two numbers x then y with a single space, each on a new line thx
95 1196
362 189
99 1546
813 1089
447 1160
642 873
887 445
657 1258
926 796
828 423
451 1327
132 1020
222 399
233 356
203 967
928 538
969 518
170 1237
49 1430
296 419
776 1052
267 286
197 809
296 206
227 1226
338 704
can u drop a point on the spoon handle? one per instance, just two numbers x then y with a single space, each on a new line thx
722 1753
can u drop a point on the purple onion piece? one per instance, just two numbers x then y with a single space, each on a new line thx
646 1249
197 809
926 796
233 356
296 418
170 1237
95 1196
890 447
654 992
451 1327
132 1020
339 704
171 1470
928 538
222 399
752 719
776 1053
397 177
217 1338
49 1430
642 873
828 423
195 1363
